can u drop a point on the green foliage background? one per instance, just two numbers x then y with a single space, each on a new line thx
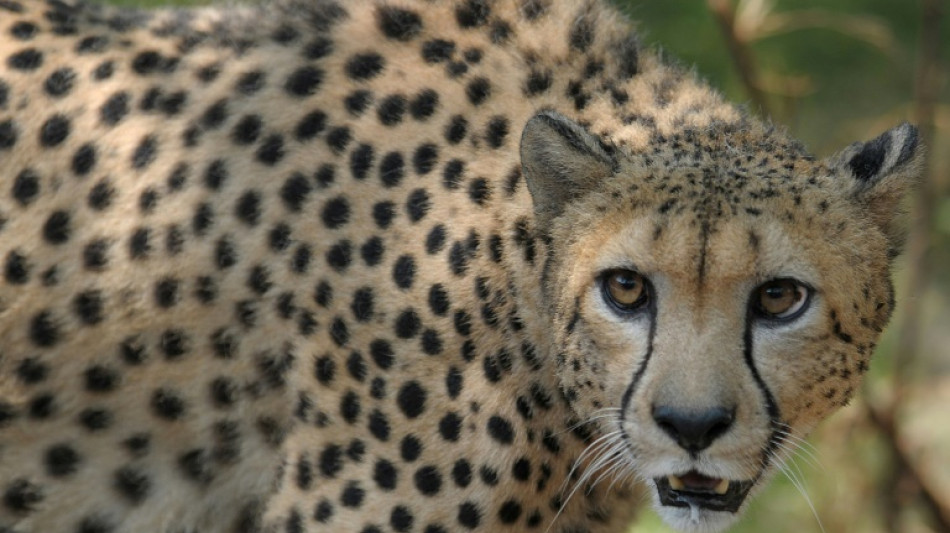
847 77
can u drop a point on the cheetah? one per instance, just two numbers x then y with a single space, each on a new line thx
410 265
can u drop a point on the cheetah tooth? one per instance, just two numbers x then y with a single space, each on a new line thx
722 487
676 483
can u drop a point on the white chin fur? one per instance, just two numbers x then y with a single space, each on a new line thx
694 520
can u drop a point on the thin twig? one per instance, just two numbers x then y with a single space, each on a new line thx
725 15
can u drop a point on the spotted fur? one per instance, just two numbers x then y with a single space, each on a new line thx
313 266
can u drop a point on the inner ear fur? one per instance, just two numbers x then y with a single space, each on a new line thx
561 162
884 170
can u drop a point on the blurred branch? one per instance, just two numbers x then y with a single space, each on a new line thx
919 279
883 419
861 27
725 15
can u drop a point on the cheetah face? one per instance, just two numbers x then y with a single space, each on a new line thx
710 309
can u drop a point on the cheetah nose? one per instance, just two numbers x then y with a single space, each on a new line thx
693 430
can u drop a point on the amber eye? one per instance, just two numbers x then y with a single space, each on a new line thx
625 289
780 299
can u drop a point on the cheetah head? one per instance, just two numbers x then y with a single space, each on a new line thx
713 294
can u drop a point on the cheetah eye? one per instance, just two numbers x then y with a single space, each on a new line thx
780 299
625 290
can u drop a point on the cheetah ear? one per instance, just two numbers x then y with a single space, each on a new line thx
885 169
561 162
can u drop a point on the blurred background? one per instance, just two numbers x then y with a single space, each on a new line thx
835 72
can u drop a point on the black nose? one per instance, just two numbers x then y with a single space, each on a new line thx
693 430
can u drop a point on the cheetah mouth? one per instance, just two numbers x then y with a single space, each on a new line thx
693 489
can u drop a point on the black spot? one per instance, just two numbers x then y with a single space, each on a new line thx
248 208
95 419
404 271
382 354
61 460
424 158
194 465
304 81
411 399
450 427
352 495
32 371
361 160
26 187
478 90
456 129
8 134
16 269
247 130
23 30
364 66
336 212
55 130
435 240
372 251
325 175
431 342
362 305
88 306
424 104
324 369
224 392
357 102
167 404
331 460
500 430
310 125
22 496
44 331
392 169
437 50
509 512
418 204
132 483
472 13
56 230
202 220
399 24
250 82
452 174
497 131
340 255
407 324
385 475
339 332
410 448
271 150
401 519
318 48
60 82
383 214
294 192
479 191
338 139
323 511
379 425
150 61
391 109
145 152
28 59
